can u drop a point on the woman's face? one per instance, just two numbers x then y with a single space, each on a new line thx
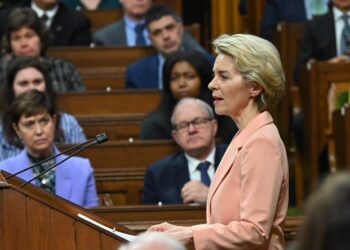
184 81
28 79
232 95
25 42
37 133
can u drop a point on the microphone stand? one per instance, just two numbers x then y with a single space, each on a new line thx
58 163
50 158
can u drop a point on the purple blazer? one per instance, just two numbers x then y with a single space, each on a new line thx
74 178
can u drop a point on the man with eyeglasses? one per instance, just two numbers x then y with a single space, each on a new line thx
167 35
185 177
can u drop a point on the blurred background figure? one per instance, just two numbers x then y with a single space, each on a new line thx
91 4
131 30
167 35
185 74
66 27
32 119
26 36
291 11
327 219
193 128
24 74
152 241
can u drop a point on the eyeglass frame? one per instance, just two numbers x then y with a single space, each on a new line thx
196 122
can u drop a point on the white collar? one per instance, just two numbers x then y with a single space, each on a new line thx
193 162
50 13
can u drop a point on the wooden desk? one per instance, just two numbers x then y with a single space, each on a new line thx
124 154
117 127
140 218
86 57
315 85
109 103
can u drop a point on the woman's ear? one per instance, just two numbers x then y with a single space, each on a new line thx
255 89
15 128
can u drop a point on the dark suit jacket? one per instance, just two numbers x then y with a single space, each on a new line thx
143 74
111 35
277 11
68 27
165 179
319 41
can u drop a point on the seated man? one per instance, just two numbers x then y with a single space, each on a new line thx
331 43
66 27
291 11
129 31
185 177
167 36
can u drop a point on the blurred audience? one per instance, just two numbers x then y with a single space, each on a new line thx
131 30
26 36
91 4
332 42
66 27
23 75
32 122
194 129
185 74
327 220
291 11
167 36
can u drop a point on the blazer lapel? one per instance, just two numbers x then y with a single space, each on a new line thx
232 151
181 174
63 179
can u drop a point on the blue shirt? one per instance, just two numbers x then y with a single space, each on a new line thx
131 34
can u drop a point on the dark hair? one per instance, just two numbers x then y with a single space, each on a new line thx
327 220
156 12
204 69
17 64
30 103
25 17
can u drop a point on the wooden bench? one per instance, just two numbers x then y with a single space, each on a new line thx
103 78
117 127
124 154
86 57
109 103
341 135
316 82
120 186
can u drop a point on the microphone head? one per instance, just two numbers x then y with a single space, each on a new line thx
101 138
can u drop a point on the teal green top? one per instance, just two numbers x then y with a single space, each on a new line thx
103 5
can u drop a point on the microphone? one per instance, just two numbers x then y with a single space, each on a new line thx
100 138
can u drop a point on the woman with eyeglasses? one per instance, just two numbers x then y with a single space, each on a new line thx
248 198
33 119
185 74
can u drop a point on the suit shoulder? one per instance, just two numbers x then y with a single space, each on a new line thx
140 64
164 163
113 27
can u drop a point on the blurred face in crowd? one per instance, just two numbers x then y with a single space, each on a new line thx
37 133
136 8
232 95
195 131
46 4
28 79
166 34
184 81
343 5
25 42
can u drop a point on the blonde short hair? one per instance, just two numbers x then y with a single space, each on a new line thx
258 61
